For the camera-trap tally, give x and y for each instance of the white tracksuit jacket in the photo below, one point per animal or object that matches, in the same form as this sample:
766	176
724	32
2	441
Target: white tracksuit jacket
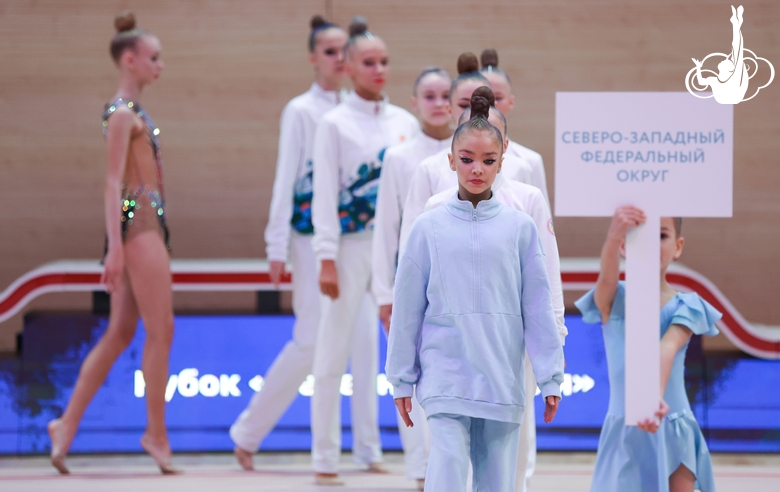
291	202
349	148
397	170
538	176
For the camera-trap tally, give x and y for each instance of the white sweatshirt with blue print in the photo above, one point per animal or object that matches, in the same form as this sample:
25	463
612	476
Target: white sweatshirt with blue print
471	295
349	147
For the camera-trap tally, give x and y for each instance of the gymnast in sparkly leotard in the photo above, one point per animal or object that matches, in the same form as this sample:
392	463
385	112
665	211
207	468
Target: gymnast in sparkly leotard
136	263
143	203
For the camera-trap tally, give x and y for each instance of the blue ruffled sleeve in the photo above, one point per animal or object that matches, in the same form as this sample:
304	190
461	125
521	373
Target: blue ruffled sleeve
590	312
696	314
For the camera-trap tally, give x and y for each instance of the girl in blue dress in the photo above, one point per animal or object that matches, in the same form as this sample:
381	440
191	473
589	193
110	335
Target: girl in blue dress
670	456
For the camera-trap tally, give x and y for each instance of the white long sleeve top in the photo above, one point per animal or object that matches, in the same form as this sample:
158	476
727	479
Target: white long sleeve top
292	191
538	176
434	175
528	199
349	146
397	169
471	297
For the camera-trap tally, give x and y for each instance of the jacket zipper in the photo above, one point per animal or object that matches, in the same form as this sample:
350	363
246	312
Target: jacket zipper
475	259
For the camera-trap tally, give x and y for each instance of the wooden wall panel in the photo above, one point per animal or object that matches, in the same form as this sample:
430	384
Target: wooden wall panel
232	65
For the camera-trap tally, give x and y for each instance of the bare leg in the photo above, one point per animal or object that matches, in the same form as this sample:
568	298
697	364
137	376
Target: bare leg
148	267
121	329
682	480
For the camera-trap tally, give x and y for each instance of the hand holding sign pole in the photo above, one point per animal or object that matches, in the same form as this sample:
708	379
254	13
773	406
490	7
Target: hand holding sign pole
665	152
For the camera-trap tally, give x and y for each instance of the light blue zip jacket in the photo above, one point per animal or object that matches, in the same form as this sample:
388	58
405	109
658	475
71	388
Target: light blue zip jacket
471	295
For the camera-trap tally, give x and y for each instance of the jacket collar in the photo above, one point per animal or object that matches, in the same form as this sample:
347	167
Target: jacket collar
334	97
432	145
498	183
463	209
373	108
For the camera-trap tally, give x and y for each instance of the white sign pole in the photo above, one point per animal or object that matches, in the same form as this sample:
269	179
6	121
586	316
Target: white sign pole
643	319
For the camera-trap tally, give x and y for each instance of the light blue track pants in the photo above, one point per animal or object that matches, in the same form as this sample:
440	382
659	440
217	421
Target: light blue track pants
489	444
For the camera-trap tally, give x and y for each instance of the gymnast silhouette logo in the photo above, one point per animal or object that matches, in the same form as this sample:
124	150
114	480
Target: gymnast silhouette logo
735	70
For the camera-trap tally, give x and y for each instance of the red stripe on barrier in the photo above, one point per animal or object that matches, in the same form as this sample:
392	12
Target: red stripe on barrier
45	280
34	284
227	278
583	277
728	319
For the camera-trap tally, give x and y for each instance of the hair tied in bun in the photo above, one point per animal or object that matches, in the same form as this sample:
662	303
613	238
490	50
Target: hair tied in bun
480	107
124	22
467	63
485	92
127	35
358	26
316	22
482	100
489	59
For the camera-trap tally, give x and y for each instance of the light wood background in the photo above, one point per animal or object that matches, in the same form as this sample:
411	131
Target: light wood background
232	65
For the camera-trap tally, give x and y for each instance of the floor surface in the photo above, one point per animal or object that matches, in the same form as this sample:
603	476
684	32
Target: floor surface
559	472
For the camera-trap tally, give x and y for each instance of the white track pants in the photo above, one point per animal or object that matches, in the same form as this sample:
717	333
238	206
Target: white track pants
294	362
457	440
349	323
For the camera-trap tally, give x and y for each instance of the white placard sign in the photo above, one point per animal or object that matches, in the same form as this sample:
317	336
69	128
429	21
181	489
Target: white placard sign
668	153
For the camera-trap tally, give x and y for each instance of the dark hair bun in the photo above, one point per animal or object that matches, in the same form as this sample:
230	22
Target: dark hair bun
317	21
124	21
485	92
357	26
480	107
489	58
467	62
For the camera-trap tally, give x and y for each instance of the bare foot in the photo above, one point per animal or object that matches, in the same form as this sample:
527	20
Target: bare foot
420	484
328	479
161	453
377	468
58	433
244	458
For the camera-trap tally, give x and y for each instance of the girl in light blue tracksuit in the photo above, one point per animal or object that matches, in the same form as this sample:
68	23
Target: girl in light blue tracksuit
471	295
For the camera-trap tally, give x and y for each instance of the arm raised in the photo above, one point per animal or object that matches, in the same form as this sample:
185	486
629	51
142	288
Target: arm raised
625	218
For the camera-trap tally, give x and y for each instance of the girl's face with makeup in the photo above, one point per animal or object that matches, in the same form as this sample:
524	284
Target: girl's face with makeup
432	100
476	158
368	66
328	56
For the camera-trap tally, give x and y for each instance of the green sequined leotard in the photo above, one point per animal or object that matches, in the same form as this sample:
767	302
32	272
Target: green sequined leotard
143	201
